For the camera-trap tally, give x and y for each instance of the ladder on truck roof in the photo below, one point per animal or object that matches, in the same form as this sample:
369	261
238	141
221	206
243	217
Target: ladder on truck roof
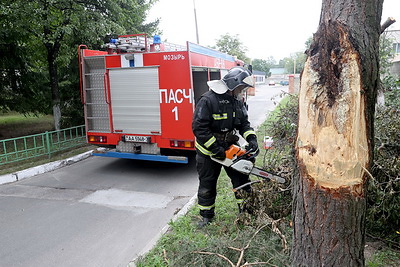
141	43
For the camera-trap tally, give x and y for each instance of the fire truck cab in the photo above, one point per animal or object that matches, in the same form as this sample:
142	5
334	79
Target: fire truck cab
139	95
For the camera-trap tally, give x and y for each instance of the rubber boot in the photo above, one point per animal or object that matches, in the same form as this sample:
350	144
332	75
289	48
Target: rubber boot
204	222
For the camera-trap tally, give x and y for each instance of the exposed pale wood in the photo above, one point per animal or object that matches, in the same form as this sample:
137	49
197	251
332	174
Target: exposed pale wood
333	141
335	135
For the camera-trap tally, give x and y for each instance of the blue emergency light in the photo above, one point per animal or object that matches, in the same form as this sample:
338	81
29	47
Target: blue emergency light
156	39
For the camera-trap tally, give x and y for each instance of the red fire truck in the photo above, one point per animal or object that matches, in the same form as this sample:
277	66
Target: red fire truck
139	95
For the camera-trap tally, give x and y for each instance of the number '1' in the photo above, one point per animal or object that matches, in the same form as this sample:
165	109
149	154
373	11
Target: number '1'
175	110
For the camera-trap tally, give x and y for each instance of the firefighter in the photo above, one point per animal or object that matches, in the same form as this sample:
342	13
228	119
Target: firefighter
219	114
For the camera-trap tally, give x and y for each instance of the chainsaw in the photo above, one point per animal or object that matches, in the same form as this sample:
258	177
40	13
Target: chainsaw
241	160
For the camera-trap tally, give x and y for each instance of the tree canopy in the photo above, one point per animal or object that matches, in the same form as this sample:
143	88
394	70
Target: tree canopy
232	45
39	38
263	65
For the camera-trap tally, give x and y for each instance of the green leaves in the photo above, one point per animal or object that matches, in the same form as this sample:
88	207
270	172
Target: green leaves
39	40
263	65
232	46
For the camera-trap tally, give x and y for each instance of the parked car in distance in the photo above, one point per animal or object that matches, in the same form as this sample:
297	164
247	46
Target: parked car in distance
284	82
271	83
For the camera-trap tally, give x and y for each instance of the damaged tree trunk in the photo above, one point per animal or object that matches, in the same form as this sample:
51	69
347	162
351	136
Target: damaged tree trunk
334	143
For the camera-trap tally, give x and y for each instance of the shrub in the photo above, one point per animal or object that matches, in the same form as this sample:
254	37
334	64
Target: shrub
392	98
383	198
383	191
272	200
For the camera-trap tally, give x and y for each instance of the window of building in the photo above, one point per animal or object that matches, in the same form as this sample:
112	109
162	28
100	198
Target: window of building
396	48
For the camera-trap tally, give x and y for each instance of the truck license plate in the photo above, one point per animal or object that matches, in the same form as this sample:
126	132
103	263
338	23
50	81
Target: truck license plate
138	139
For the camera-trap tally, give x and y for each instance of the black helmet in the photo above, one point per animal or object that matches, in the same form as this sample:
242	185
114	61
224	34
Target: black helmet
238	76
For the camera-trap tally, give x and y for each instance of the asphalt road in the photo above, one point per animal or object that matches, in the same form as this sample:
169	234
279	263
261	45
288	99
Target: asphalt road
263	102
99	211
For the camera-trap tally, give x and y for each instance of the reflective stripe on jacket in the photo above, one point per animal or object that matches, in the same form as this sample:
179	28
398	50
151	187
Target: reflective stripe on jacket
216	115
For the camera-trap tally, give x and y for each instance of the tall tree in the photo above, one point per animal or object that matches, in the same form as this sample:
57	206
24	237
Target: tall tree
21	74
335	137
263	65
232	46
54	26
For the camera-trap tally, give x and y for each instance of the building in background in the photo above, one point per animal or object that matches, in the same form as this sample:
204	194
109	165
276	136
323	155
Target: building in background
394	35
278	74
259	77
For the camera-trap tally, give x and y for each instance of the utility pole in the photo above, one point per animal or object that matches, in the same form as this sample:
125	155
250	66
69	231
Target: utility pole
195	21
294	65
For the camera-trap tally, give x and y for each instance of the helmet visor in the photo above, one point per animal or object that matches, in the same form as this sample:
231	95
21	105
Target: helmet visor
249	81
218	86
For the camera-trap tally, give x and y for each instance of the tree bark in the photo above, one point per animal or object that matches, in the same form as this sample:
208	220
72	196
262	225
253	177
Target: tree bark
53	36
52	52
334	143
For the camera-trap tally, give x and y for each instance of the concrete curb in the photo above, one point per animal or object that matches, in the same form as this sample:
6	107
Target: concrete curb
20	175
149	246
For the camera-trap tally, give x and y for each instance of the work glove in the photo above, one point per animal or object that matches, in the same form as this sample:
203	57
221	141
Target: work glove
252	146
218	153
232	138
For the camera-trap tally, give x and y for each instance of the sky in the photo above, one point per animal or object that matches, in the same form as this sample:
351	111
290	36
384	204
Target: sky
267	28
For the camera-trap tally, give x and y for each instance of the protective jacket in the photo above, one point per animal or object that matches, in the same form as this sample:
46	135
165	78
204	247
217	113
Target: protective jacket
215	117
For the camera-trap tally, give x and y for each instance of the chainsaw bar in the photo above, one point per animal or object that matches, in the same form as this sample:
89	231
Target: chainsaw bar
266	175
247	167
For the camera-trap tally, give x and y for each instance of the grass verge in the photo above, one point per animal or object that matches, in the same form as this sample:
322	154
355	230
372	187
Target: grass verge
240	239
229	239
232	239
385	257
16	125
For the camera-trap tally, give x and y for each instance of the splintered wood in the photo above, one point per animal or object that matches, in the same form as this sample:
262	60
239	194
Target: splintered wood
332	138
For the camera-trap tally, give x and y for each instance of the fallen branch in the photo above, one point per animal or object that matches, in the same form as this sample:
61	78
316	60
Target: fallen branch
241	250
219	255
244	185
369	174
276	230
236	249
258	263
395	244
248	245
165	256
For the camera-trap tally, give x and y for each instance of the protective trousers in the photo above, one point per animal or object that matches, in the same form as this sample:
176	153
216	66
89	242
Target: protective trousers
208	171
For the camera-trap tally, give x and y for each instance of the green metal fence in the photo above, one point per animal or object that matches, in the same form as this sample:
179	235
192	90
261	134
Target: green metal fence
31	146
